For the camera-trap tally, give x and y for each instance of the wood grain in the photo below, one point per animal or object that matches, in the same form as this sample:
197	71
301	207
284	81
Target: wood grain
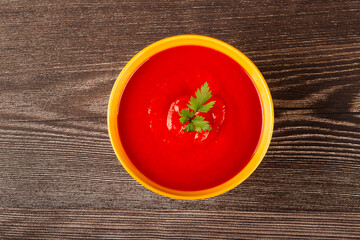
59	177
175	224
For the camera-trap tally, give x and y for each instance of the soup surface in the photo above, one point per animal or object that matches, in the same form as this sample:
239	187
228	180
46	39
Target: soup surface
155	140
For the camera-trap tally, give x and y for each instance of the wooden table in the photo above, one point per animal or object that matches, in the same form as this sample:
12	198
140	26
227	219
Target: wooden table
60	179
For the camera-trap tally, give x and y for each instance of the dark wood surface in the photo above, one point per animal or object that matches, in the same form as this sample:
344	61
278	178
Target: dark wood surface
60	179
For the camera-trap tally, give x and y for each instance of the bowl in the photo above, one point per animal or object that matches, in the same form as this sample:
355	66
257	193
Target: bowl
197	40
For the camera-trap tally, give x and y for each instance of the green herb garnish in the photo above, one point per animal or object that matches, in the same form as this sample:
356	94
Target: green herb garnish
197	123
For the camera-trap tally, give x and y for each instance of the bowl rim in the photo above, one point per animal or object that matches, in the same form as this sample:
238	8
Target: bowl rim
230	51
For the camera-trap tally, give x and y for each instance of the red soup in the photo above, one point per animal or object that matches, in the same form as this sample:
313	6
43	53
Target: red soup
155	140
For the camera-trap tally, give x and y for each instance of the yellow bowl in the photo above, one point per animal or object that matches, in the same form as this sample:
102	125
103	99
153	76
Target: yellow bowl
250	68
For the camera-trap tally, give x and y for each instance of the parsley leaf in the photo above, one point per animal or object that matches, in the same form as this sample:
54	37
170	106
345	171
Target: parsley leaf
190	127
202	95
205	108
197	104
200	124
185	115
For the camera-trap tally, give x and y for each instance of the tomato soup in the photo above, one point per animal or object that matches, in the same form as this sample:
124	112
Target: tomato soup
153	137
